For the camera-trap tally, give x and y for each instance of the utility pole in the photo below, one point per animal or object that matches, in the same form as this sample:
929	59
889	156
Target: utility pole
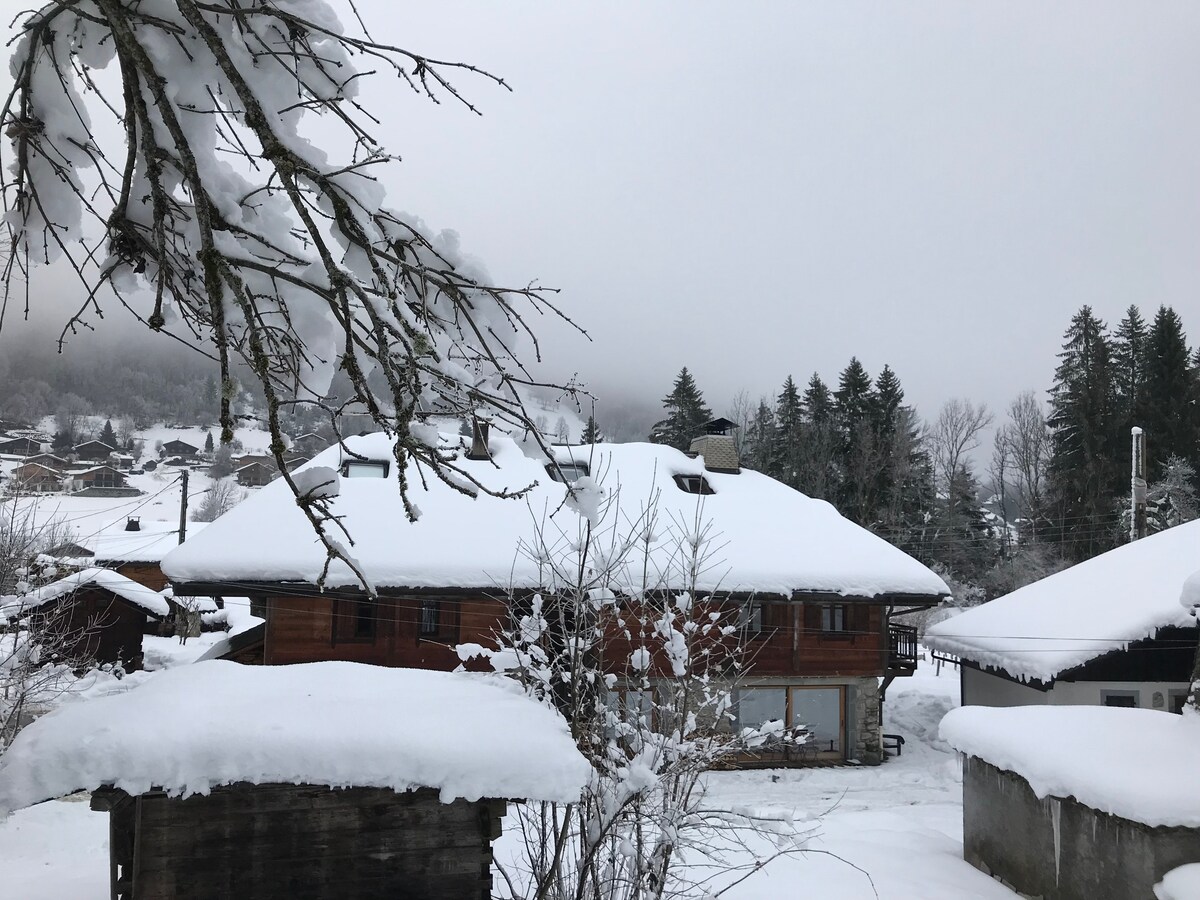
183	507
1137	518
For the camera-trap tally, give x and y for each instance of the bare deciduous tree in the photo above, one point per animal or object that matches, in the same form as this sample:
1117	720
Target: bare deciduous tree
223	496
1028	444
252	240
953	436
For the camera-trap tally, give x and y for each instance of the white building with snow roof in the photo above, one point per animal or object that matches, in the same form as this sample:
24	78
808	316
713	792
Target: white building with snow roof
1108	631
817	592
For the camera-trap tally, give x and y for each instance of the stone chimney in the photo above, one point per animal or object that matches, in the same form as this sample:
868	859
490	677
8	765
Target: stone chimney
718	447
479	440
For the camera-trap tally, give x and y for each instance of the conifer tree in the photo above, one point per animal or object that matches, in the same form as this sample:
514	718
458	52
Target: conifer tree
1129	370
759	441
1171	416
858	452
819	478
108	435
591	432
786	453
686	413
208	442
818	401
1083	469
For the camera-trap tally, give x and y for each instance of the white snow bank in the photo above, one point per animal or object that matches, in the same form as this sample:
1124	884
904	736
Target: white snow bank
1139	764
1092	608
189	729
1189	597
1182	883
137	594
766	537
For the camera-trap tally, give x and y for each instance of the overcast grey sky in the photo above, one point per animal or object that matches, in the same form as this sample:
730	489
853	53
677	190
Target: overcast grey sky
758	189
754	189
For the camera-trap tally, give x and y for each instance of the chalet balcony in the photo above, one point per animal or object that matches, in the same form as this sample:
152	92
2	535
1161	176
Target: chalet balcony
902	649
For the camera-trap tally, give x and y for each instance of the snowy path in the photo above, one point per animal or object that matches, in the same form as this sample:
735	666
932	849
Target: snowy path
900	822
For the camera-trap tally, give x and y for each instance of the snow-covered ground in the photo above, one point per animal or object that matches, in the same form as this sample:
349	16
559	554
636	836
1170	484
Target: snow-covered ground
892	832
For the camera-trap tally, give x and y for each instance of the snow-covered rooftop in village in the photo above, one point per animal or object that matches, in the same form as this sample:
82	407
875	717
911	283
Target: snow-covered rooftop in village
1092	608
764	536
139	595
1139	764
196	727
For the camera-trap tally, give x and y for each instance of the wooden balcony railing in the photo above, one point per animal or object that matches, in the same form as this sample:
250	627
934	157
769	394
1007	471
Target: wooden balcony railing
902	648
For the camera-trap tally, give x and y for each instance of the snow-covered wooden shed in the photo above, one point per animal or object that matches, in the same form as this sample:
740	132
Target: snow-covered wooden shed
1108	631
310	782
91	616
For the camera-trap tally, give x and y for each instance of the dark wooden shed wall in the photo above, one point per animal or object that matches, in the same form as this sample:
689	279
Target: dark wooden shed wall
96	624
300	842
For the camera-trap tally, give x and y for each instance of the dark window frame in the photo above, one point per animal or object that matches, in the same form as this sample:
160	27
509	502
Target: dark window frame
556	471
355	621
383	465
437	620
1135	696
693	484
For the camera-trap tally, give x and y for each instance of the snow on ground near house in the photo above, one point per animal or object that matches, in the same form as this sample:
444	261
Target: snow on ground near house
194	727
901	823
1139	764
765	536
139	595
1094	607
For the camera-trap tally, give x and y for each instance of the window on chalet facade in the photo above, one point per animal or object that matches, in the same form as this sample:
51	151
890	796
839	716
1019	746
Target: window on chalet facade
693	484
841	620
437	620
354	620
765	618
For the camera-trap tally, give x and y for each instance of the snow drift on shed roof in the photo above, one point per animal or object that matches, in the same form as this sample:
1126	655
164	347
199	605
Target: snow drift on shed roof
1090	609
1139	764
341	724
137	594
766	537
153	541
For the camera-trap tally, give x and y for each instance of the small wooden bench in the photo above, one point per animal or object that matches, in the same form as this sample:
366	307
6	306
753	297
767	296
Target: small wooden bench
893	743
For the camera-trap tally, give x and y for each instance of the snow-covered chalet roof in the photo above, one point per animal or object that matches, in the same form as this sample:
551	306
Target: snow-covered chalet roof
113	544
1075	615
151	601
1139	764
189	729
765	537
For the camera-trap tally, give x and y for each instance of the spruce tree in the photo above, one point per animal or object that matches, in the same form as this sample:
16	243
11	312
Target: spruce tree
1171	416
208	442
819	477
1083	466
591	432
818	401
788	446
107	435
858	453
686	414
1129	370
759	440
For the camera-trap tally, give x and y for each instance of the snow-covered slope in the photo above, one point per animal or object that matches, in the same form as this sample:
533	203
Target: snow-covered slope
762	535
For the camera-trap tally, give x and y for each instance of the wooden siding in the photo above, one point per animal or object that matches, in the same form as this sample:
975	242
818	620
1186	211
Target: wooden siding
300	842
96	624
147	574
791	642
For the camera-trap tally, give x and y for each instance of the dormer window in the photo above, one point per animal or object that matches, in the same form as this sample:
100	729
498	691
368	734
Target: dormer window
365	468
568	472
693	484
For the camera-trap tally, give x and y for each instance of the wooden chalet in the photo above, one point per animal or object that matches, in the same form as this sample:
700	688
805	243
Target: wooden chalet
96	477
36	478
95	616
814	594
19	446
384	785
177	447
93	450
309	444
134	549
50	461
255	474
